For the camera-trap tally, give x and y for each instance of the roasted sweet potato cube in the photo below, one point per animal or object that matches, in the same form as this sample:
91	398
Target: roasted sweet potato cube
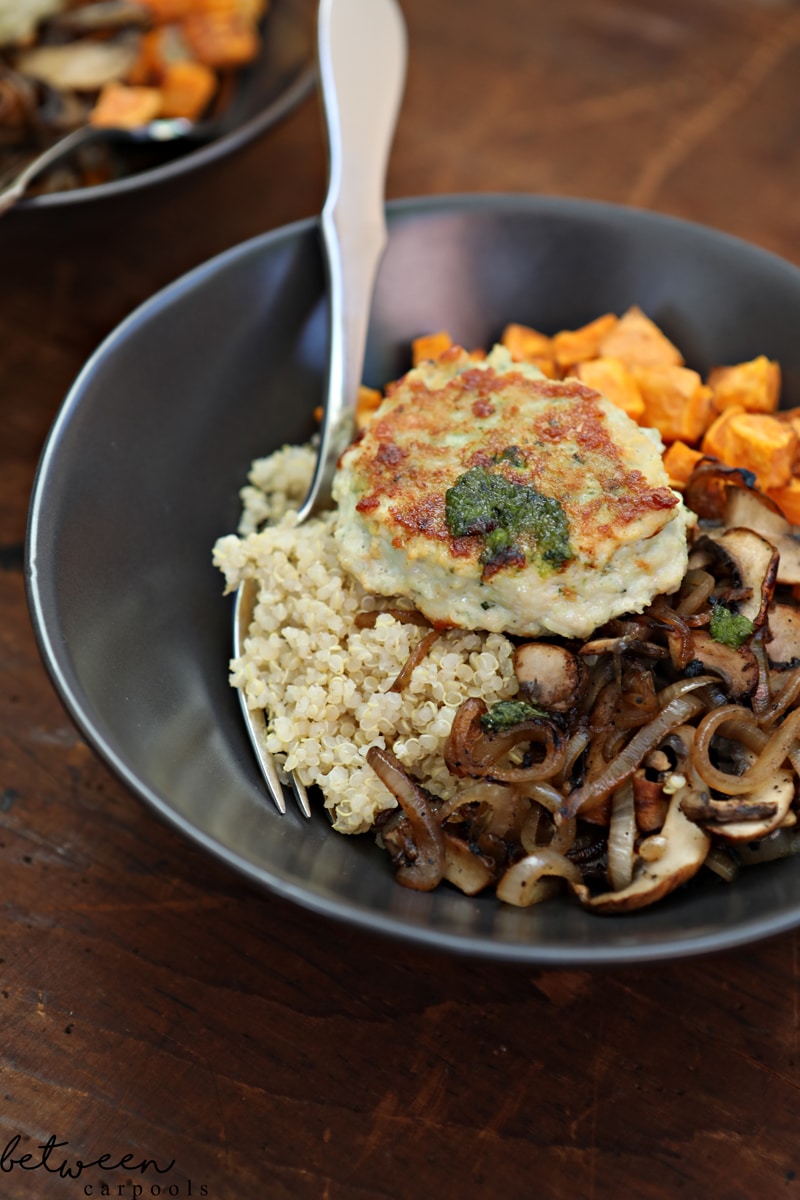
792	415
525	344
680	460
676	402
251	9
368	401
769	448
716	439
170	10
122	107
186	89
757	442
611	377
754	385
787	499
429	346
221	40
158	49
149	63
639	342
572	346
548	366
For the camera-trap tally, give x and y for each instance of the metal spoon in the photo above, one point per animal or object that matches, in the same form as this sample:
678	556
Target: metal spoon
362	65
166	129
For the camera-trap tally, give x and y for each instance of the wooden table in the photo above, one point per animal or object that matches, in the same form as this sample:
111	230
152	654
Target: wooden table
152	1004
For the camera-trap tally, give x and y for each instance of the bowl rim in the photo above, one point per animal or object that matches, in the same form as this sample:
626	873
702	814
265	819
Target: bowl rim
478	946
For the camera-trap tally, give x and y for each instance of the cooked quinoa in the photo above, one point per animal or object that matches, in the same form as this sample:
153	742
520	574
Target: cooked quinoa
323	681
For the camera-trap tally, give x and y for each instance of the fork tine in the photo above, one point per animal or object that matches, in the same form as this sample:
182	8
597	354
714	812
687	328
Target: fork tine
256	719
257	728
300	795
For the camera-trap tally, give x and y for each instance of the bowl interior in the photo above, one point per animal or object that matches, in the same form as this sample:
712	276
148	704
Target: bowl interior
266	91
141	474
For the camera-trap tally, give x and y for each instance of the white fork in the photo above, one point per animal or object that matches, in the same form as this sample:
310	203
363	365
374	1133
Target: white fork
362	67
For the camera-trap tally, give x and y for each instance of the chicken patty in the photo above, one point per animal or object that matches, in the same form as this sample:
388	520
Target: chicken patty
497	499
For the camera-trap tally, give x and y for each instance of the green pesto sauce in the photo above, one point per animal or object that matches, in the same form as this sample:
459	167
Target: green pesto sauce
514	520
730	628
505	714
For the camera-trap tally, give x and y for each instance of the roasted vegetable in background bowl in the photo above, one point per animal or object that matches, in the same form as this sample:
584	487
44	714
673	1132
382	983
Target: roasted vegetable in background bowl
117	63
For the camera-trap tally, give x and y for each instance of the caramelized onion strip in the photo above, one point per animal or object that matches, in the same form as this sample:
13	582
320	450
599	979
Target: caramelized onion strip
668	616
493	794
575	747
470	751
703	585
522	884
367	618
785	699
426	872
621	837
562	833
548	796
416	656
774	753
677	711
682	686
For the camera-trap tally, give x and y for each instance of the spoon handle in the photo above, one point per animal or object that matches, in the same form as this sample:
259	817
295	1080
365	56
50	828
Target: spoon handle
362	65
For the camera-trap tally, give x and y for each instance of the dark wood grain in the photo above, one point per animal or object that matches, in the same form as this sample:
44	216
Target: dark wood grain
151	1004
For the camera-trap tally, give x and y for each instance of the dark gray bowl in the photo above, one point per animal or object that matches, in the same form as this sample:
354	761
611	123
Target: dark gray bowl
141	474
266	91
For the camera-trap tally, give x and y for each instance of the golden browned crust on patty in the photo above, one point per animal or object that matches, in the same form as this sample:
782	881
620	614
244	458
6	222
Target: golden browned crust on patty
494	498
425	438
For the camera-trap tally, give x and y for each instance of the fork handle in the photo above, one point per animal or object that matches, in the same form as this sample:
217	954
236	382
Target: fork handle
362	66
